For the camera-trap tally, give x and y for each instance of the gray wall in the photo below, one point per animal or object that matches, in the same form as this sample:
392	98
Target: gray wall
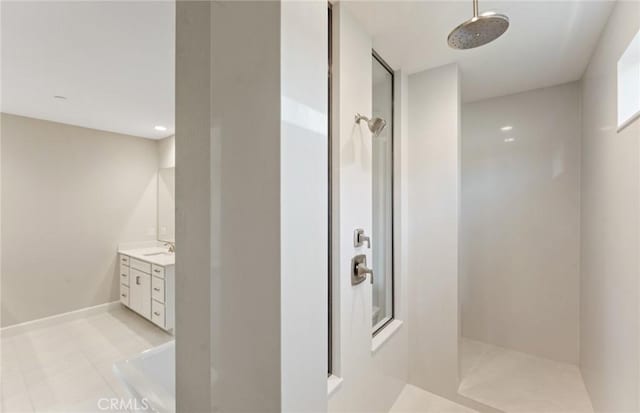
609	298
244	190
520	275
70	195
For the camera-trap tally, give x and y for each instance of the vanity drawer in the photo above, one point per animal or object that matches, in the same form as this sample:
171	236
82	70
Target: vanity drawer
157	271
157	289
140	265
124	274
157	313
124	260
124	295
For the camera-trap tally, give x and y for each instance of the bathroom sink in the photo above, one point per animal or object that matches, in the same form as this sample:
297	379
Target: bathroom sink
155	254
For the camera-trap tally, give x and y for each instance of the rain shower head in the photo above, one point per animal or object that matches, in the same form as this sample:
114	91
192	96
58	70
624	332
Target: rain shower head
478	30
376	125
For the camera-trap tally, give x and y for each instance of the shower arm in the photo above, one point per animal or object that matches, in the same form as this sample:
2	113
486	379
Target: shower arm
475	8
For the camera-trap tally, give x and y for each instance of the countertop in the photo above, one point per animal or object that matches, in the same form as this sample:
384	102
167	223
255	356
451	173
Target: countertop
147	254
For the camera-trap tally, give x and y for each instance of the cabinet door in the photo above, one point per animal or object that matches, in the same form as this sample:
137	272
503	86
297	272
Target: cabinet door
157	293
157	316
124	294
140	292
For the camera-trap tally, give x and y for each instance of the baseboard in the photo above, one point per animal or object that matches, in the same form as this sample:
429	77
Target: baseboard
57	319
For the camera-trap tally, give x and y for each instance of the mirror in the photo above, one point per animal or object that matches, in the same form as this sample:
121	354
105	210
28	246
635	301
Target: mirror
166	204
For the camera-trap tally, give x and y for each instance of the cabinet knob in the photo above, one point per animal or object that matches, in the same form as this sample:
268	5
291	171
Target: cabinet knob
156	289
156	313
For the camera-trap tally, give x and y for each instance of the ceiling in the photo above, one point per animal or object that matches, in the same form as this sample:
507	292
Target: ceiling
113	61
547	43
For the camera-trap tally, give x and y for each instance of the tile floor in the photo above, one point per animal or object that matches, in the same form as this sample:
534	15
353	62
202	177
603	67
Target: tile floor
517	382
68	367
415	400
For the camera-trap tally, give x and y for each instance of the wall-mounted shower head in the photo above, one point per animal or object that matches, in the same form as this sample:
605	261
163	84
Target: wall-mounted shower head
478	30
376	125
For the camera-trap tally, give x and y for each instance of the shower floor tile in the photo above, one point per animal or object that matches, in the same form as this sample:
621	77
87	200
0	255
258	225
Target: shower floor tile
518	382
415	400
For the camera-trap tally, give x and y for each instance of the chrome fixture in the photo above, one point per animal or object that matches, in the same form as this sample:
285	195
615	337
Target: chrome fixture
359	269
478	30
359	238
171	246
376	125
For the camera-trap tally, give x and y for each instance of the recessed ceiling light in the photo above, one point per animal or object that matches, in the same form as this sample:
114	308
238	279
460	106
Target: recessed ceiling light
509	140
506	128
60	97
160	128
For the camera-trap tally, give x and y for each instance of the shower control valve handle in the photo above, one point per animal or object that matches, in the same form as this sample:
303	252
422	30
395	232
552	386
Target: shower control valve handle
359	269
359	238
363	270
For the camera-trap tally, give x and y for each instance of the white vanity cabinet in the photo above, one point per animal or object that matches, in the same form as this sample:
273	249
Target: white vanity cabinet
140	292
148	289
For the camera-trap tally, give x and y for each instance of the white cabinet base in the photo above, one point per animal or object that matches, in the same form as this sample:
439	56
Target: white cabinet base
148	289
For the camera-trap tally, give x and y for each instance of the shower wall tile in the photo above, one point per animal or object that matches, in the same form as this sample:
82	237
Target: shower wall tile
520	280
610	201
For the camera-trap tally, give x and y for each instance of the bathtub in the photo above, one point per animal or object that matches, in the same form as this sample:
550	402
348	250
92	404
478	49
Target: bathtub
150	379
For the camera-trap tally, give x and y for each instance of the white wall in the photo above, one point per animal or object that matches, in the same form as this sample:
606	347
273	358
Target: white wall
70	195
167	152
304	199
433	203
610	291
371	379
521	221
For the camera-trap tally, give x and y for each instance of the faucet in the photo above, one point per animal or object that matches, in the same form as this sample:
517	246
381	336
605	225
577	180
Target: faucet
171	245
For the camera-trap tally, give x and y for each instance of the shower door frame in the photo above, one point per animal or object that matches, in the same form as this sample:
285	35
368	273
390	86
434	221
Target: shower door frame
377	329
